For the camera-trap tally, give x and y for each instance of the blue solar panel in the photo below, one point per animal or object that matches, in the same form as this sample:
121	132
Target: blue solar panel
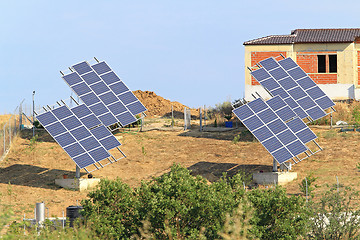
81	111
117	108
99	109
90	99
71	123
315	92
300	112
278	73
267	116
306	135
65	139
90	143
72	78
260	74
306	103
80	133
296	125
296	147
99	88
282	155
108	119
126	118
136	107
288	83
110	78
291	102
262	134
101	132
297	93
270	84
325	102
243	112
127	98
62	112
279	92
286	137
272	144
297	73
276	103
81	89
110	143
277	126
55	129
101	68
91	78
257	105
82	68
99	154
83	160
46	118
119	88
316	113
252	123
74	150
90	121
306	83
269	63
287	64
109	98
286	113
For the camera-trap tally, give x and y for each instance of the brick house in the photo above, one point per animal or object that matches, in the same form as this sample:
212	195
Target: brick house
330	56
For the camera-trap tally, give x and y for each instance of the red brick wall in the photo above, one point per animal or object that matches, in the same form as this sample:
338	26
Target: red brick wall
259	56
308	62
357	40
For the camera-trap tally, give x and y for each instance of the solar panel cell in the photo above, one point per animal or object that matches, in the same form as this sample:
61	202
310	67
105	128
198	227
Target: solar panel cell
109	98
277	126
262	133
278	73
276	103
90	99
117	108
46	118
297	147
101	68
127	98
287	64
252	123
288	83
101	132
99	88
65	139
260	74
82	68
72	79
90	143
269	63
300	112
110	78
306	83
90	121
119	88
270	84
325	102
83	160
285	113
71	123
136	107
282	155
110	143
297	93
272	144
306	135
74	150
315	92
297	73
296	125
286	137
55	129
81	111
81	89
99	154
62	112
243	112
91	78
108	119
267	116
306	103
316	113
80	133
98	109
279	92
126	118
291	102
257	105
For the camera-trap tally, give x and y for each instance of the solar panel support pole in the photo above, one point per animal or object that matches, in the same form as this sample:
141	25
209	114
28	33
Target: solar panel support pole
275	168
77	172
33	117
200	119
331	120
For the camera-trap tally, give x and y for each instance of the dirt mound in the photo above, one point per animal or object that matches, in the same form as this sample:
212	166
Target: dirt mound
159	106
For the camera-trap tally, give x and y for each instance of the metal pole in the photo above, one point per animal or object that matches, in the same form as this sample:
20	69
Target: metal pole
275	169
331	120
200	120
77	173
185	118
337	180
33	99
40	213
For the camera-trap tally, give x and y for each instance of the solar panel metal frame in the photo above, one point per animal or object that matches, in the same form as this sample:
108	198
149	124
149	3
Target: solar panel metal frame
273	136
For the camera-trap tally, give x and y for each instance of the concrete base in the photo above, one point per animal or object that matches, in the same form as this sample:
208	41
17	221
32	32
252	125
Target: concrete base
77	184
274	177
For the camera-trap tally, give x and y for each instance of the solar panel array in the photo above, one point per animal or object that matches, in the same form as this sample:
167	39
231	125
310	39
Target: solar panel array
71	130
287	80
266	121
104	93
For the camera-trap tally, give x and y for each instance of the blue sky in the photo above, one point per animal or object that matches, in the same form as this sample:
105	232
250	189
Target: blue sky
188	51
